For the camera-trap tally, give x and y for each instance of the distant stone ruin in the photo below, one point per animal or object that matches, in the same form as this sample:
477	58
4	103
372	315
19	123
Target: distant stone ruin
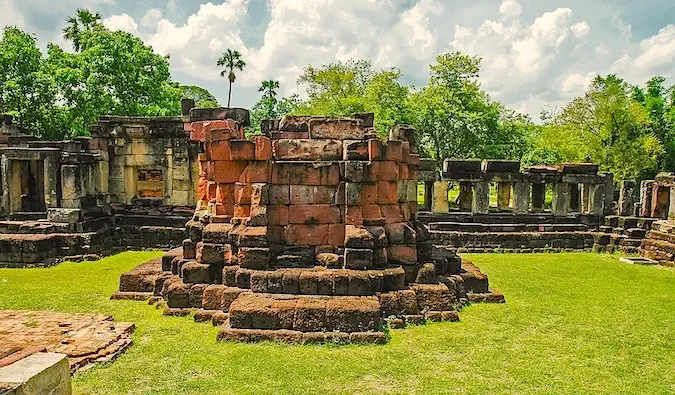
307	233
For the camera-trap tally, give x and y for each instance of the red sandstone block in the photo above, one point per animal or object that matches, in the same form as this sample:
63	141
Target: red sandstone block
226	172
376	150
256	172
336	235
394	151
312	194
242	150
197	134
225	194
202	190
312	235
338	129
242	211
371	211
414	159
263	148
371	172
355	150
392	213
387	171
219	150
307	150
306	173
314	214
369	194
405	151
242	193
387	192
211	191
354	215
402	254
277	215
403	173
279	194
253	236
289	135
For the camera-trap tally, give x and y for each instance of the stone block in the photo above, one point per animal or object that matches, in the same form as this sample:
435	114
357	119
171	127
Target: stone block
338	129
41	373
358	259
311	235
307	150
314	214
257	258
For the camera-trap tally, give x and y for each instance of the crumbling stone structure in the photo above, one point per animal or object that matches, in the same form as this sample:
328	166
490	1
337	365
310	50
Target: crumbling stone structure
519	221
130	185
657	204
308	233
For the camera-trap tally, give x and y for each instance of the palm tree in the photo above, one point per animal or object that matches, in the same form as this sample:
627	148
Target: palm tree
83	22
269	88
231	60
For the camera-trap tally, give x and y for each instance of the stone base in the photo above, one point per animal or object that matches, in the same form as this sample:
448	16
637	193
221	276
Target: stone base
297	337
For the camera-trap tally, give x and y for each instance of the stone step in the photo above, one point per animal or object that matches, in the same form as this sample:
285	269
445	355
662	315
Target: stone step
514	240
517	227
172	221
500	218
28	216
34	227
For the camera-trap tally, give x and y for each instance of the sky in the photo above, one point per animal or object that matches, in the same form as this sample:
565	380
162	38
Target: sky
537	54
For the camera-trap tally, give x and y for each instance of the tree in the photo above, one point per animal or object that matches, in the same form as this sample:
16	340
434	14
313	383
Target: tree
607	126
456	119
202	97
26	91
79	26
269	87
231	61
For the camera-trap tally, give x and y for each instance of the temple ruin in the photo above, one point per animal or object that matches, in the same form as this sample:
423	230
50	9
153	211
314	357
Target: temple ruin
307	233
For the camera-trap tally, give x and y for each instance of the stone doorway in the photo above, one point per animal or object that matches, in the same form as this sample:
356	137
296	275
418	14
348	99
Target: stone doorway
27	191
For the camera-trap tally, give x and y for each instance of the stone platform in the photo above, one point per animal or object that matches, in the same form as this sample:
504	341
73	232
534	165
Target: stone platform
84	338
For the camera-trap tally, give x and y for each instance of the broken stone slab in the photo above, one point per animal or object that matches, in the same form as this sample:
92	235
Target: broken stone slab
239	115
42	373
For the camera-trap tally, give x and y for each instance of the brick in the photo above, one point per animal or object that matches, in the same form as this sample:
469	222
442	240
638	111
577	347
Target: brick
242	211
279	194
260	194
387	192
227	171
256	172
358	259
338	129
306	173
369	194
314	214
242	193
310	315
387	171
312	235
400	233
354	171
225	195
354	215
336	235
307	150
294	123
308	282
219	150
403	172
371	211
355	150
253	236
263	148
358	237
392	213
402	254
210	253
257	216
254	257
371	172
394	151
359	284
414	159
277	215
196	273
376	150
405	151
242	150
313	194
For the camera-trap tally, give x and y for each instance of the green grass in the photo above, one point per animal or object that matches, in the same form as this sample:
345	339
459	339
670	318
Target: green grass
573	323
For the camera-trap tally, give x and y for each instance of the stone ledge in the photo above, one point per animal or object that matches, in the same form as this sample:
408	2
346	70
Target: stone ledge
42	373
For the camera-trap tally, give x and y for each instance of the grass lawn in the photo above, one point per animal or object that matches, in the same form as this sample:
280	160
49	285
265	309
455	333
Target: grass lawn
573	323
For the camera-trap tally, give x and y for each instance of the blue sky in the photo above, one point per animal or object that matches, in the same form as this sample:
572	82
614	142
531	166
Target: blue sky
536	54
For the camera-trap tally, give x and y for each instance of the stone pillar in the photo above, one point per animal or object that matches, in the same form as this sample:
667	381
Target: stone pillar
646	189
51	175
481	198
465	195
627	197
538	197
428	194
671	206
440	198
609	194
503	195
561	199
585	198
596	198
575	198
70	186
5	174
521	197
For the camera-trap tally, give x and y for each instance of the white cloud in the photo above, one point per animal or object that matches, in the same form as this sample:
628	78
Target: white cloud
658	49
577	83
122	22
581	29
510	8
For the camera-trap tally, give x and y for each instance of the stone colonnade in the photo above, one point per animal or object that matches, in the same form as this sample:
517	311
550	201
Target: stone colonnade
576	188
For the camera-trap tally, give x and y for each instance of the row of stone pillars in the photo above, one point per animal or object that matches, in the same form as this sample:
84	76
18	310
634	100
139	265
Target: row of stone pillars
528	197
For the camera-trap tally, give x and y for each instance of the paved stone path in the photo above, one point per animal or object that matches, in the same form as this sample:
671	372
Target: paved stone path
85	338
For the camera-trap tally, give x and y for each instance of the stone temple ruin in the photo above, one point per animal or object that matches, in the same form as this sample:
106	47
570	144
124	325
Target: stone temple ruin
129	185
308	233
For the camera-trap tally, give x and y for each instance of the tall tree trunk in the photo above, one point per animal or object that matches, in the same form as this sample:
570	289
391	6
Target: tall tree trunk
229	95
